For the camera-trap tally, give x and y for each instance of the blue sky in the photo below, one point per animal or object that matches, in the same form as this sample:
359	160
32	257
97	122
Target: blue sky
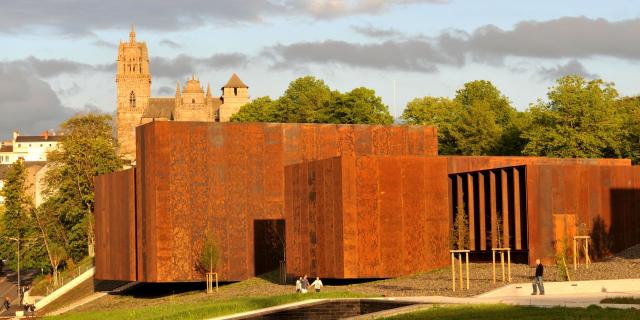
57	56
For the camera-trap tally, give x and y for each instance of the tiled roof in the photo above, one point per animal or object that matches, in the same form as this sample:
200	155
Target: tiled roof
160	108
6	148
38	138
235	82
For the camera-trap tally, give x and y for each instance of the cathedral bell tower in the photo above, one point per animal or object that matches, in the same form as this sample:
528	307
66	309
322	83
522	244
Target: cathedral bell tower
134	89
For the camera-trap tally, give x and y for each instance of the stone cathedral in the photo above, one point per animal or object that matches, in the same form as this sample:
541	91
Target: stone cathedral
136	106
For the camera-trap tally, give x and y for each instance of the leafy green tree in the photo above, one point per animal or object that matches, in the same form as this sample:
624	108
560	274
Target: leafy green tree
15	220
16	224
478	121
310	100
579	120
359	106
87	149
486	120
433	111
304	101
53	237
628	115
262	109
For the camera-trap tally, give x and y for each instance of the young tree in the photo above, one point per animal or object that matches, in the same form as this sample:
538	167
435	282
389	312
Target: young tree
87	149
53	237
209	255
460	232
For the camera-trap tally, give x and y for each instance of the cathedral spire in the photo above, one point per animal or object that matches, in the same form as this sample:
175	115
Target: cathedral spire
132	34
177	88
209	90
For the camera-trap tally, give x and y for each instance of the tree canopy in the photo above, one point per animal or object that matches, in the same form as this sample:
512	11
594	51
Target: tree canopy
579	120
17	232
87	149
310	100
478	121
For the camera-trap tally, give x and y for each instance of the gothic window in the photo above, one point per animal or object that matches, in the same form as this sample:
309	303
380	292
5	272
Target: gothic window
235	91
132	100
193	100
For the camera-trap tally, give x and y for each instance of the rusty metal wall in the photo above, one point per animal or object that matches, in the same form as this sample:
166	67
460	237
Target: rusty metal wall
558	192
593	194
460	164
115	235
367	216
193	177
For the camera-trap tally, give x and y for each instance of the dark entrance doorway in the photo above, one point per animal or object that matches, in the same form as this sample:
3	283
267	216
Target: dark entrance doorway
268	244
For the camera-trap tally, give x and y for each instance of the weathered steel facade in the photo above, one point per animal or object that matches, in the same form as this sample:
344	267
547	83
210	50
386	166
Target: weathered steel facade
354	201
367	216
115	226
547	201
193	178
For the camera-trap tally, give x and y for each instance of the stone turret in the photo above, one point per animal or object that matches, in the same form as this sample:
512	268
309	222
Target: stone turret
234	95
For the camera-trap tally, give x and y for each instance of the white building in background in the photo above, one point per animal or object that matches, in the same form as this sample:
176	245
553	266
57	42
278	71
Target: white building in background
28	148
33	150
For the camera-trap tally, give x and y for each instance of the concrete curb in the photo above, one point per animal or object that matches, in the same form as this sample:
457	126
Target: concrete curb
620	286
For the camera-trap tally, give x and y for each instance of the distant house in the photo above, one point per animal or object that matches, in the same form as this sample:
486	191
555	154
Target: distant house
28	148
33	151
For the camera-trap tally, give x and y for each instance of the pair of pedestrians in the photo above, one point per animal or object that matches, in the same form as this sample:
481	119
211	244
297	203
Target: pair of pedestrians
302	284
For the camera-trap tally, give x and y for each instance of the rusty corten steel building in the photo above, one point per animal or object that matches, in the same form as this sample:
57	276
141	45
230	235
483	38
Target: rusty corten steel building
227	178
339	201
542	201
367	216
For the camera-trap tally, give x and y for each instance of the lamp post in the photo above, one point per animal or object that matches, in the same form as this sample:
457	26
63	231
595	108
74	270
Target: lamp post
18	241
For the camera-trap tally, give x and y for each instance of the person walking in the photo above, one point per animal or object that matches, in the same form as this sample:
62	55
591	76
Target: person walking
7	303
304	284
537	280
299	285
317	284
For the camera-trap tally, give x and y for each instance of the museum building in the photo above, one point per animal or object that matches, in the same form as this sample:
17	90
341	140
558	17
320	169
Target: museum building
341	202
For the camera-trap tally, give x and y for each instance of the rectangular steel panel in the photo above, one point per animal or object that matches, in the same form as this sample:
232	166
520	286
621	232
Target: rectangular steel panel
504	181
482	211
516	209
471	212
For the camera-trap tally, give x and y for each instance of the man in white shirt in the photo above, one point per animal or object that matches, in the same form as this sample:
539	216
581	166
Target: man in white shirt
317	284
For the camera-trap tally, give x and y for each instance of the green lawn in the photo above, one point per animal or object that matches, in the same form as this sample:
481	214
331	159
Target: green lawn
622	300
201	310
499	311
